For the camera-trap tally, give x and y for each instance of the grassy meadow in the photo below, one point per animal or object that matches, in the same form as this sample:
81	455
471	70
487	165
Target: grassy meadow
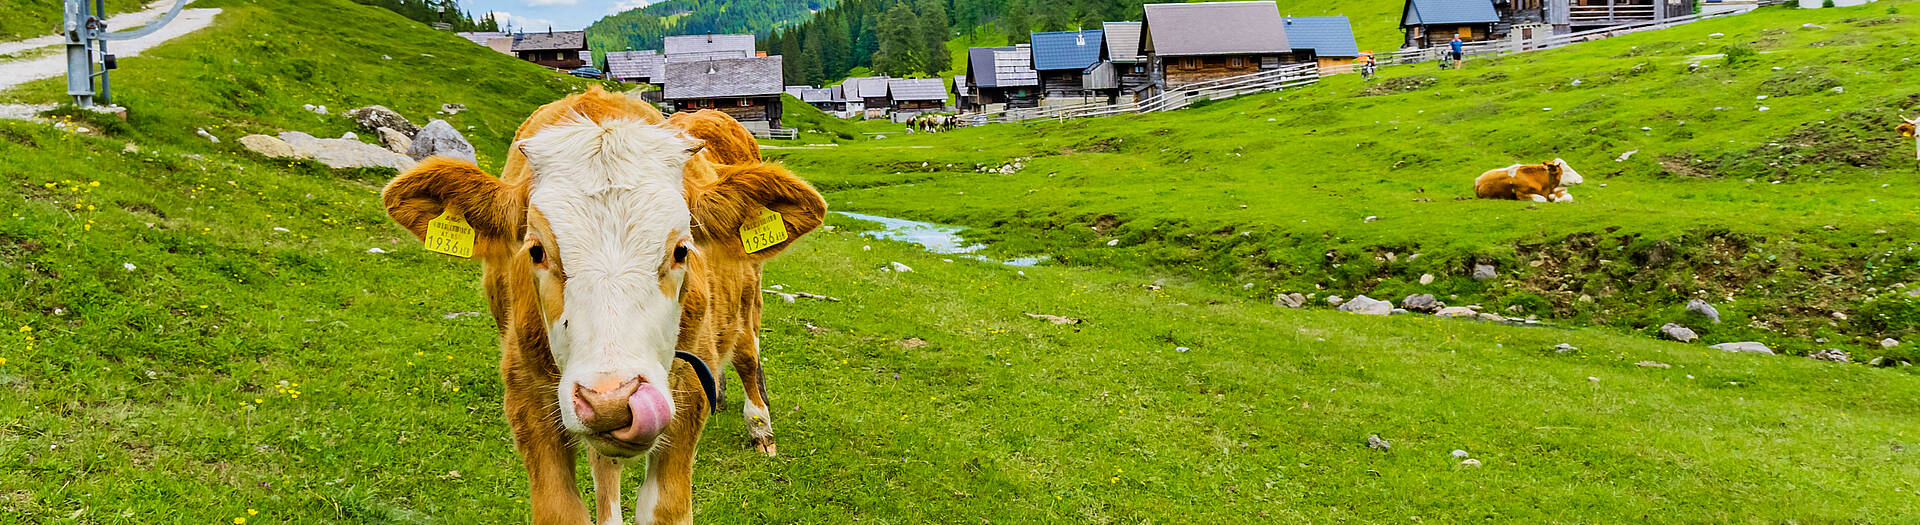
170	355
1770	184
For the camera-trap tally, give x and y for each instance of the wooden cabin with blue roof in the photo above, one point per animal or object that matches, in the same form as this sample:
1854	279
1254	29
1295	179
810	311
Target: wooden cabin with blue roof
1325	39
1063	59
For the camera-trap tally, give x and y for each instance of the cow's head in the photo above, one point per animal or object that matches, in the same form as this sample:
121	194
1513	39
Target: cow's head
1565	173
598	243
1906	128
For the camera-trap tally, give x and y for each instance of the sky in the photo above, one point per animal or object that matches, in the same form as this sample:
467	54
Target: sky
536	15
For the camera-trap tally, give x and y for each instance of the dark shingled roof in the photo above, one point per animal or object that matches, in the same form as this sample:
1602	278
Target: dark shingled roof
1216	28
1074	50
1123	41
554	41
1425	12
980	65
1327	36
634	64
736	77
687	48
917	89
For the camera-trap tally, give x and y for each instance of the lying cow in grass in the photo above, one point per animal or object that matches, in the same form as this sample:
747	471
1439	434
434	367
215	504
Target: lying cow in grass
612	216
1543	182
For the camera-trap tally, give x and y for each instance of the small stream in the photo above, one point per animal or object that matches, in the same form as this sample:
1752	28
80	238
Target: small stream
936	238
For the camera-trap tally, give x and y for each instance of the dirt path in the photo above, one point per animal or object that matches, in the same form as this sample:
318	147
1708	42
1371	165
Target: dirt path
26	70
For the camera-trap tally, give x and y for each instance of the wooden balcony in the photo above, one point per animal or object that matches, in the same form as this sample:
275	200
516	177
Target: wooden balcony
1606	15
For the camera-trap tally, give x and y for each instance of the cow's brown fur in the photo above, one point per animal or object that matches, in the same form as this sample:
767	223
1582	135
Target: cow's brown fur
720	303
1906	129
1519	182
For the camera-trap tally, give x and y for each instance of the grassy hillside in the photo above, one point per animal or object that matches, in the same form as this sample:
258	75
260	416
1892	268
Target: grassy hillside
1771	185
171	357
21	19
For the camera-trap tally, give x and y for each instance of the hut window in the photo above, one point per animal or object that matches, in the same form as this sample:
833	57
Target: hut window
746	102
1189	63
1239	62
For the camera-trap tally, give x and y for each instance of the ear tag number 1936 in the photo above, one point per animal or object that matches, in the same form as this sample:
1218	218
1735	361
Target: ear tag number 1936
450	234
764	231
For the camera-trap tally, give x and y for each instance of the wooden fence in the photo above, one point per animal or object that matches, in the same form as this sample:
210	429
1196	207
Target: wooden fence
1184	96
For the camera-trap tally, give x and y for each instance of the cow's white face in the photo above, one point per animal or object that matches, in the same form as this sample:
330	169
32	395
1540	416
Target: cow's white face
608	239
1568	177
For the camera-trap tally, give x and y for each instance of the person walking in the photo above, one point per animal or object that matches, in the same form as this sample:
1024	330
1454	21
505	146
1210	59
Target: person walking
1457	55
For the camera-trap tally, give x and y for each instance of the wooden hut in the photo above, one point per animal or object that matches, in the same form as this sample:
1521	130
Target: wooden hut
1191	43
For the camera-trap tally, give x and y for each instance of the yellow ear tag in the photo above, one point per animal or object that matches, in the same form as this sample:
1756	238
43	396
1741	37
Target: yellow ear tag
764	231
450	234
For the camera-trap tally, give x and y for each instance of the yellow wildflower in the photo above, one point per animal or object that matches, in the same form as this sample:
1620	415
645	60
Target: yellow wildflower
250	512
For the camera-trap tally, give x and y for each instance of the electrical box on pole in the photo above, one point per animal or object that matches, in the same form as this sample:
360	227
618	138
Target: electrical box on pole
86	35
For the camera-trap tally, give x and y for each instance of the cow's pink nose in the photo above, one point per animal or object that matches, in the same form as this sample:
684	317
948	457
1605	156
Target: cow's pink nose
633	411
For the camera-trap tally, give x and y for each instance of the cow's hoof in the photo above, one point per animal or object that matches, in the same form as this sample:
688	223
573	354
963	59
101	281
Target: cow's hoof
765	445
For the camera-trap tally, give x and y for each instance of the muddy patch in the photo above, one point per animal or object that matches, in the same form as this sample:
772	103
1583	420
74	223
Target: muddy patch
1397	85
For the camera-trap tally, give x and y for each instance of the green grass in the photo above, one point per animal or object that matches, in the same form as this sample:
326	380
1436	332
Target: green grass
30	18
154	394
1780	217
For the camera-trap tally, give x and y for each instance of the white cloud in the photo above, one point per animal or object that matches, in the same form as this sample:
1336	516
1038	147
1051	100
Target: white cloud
628	5
520	23
538	3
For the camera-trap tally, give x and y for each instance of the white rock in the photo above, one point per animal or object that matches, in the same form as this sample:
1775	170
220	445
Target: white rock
1460	454
202	132
1426	278
1701	307
901	267
1367	306
1889	343
129	266
1746	347
439	138
1678	333
1115	242
279	229
1456	311
1370	218
1470	463
375	250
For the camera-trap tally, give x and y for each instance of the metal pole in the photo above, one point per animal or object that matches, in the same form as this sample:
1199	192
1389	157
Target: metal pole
79	59
106	90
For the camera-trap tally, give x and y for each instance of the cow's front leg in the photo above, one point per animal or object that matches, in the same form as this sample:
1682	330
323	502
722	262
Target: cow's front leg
759	418
606	488
549	460
666	494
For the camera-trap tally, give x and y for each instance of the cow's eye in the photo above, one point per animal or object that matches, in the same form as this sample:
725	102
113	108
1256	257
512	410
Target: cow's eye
537	254
680	254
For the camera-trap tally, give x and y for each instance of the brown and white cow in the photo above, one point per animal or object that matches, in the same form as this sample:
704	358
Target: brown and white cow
610	242
1543	182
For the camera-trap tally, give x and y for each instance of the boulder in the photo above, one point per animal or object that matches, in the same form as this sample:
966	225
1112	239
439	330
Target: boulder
1456	311
1746	347
1482	272
396	141
1426	278
340	153
202	132
1493	317
1701	307
1423	303
376	117
1678	333
1889	343
349	136
439	138
1831	354
1290	300
1367	306
1335	300
269	147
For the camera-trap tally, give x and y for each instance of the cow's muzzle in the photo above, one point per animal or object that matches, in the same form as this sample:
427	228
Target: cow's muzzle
631	413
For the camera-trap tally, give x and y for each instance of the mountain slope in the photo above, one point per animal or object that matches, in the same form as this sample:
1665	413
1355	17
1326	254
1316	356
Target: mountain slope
643	28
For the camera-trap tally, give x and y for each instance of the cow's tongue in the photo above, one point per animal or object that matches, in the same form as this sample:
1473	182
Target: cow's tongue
651	412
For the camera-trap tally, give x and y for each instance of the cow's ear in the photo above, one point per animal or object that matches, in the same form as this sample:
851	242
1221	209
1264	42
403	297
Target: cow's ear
422	193
741	191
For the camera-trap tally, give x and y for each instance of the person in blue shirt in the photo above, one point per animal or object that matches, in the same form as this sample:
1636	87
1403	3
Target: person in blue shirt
1456	55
